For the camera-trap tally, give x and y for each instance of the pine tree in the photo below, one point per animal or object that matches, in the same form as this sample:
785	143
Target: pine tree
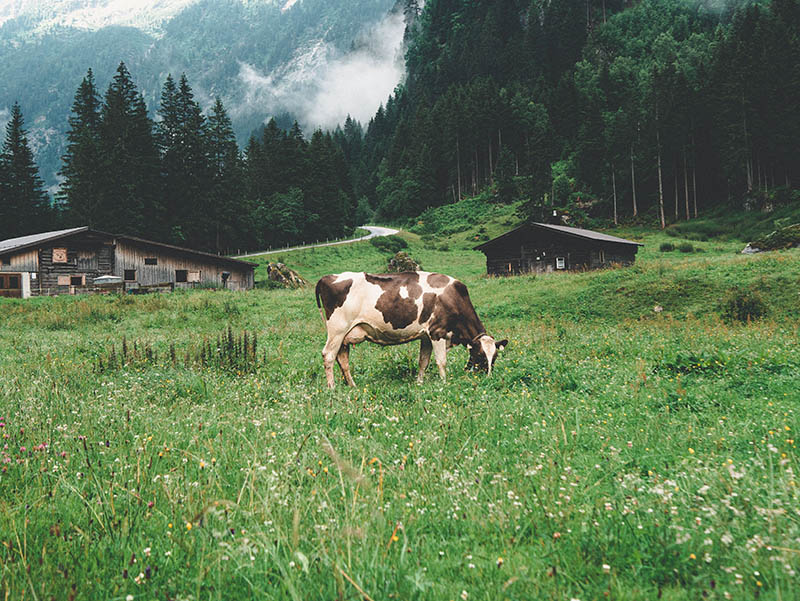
82	161
24	205
129	195
229	213
182	137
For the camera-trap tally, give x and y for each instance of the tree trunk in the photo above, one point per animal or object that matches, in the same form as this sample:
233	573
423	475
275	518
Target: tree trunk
660	178
458	162
633	185
475	172
749	162
694	178
491	163
675	185
614	186
685	184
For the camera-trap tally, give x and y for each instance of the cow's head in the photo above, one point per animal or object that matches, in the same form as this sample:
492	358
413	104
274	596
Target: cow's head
483	352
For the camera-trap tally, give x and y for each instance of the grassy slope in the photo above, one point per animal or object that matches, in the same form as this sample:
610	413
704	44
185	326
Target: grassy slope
658	445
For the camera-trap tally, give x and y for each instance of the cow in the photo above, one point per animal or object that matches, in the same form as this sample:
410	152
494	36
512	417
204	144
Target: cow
397	308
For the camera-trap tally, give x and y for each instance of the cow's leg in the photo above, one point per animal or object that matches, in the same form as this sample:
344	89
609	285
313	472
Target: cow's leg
329	354
425	349
440	353
343	357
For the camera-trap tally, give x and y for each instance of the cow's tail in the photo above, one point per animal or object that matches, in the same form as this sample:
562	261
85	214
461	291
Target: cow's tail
319	303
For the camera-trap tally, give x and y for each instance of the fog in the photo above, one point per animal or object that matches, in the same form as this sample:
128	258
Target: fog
322	85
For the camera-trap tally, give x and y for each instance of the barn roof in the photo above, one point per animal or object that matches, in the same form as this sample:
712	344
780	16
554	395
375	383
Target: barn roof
34	240
23	242
575	232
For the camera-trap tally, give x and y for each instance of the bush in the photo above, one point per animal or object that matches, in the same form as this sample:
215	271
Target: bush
666	247
686	247
743	305
389	244
403	262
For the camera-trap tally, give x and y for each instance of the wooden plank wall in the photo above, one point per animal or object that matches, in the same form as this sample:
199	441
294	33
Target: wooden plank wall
131	256
537	254
24	261
84	258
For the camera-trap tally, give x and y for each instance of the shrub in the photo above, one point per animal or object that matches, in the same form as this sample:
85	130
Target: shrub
390	244
686	247
743	305
403	262
666	247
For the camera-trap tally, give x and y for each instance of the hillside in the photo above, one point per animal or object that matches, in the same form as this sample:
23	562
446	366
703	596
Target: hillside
135	429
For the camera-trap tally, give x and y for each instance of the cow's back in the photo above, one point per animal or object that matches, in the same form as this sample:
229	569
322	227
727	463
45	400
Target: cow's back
386	302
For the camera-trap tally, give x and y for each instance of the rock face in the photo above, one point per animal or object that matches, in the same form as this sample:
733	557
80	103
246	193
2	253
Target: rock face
785	237
402	261
278	272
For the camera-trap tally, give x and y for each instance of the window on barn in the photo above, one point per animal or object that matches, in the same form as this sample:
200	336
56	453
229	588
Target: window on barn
5	260
76	280
561	263
130	275
181	275
2	282
151	261
193	276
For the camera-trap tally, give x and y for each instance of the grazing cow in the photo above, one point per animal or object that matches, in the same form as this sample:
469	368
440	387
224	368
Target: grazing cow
398	308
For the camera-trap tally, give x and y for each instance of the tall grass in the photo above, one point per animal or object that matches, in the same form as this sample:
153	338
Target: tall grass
616	452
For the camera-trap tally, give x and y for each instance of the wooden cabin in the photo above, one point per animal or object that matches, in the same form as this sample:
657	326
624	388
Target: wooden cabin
541	248
69	261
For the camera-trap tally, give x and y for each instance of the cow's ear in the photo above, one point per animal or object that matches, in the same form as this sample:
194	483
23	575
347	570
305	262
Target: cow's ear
501	345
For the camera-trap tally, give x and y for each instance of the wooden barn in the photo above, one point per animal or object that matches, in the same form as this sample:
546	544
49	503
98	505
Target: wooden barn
541	247
69	261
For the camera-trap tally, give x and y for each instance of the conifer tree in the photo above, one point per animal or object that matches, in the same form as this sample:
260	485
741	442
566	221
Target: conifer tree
229	211
182	138
24	205
82	160
129	190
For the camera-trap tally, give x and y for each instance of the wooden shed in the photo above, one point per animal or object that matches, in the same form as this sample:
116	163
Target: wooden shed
541	247
69	261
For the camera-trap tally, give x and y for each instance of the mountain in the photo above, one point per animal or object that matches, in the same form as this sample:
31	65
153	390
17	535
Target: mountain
313	60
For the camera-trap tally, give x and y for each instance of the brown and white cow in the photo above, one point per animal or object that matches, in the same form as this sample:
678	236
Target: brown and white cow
398	308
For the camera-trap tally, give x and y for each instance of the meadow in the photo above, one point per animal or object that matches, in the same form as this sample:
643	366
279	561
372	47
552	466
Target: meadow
617	452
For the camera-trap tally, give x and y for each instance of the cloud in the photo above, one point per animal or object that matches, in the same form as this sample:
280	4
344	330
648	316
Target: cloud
322	85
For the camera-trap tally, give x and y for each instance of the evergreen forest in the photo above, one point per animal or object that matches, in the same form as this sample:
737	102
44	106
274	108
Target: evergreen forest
606	110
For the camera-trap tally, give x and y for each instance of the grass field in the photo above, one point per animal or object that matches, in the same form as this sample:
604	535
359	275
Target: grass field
615	453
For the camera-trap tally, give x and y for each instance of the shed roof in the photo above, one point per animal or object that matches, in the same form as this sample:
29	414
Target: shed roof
13	244
34	240
563	229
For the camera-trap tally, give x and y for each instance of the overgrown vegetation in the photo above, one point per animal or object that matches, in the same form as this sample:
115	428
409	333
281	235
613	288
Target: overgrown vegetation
238	354
389	244
743	305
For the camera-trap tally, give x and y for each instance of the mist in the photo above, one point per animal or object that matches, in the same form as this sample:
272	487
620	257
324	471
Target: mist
322	85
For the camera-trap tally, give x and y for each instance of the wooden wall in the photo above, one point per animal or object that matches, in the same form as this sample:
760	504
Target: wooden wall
90	255
87	258
537	252
25	261
131	256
